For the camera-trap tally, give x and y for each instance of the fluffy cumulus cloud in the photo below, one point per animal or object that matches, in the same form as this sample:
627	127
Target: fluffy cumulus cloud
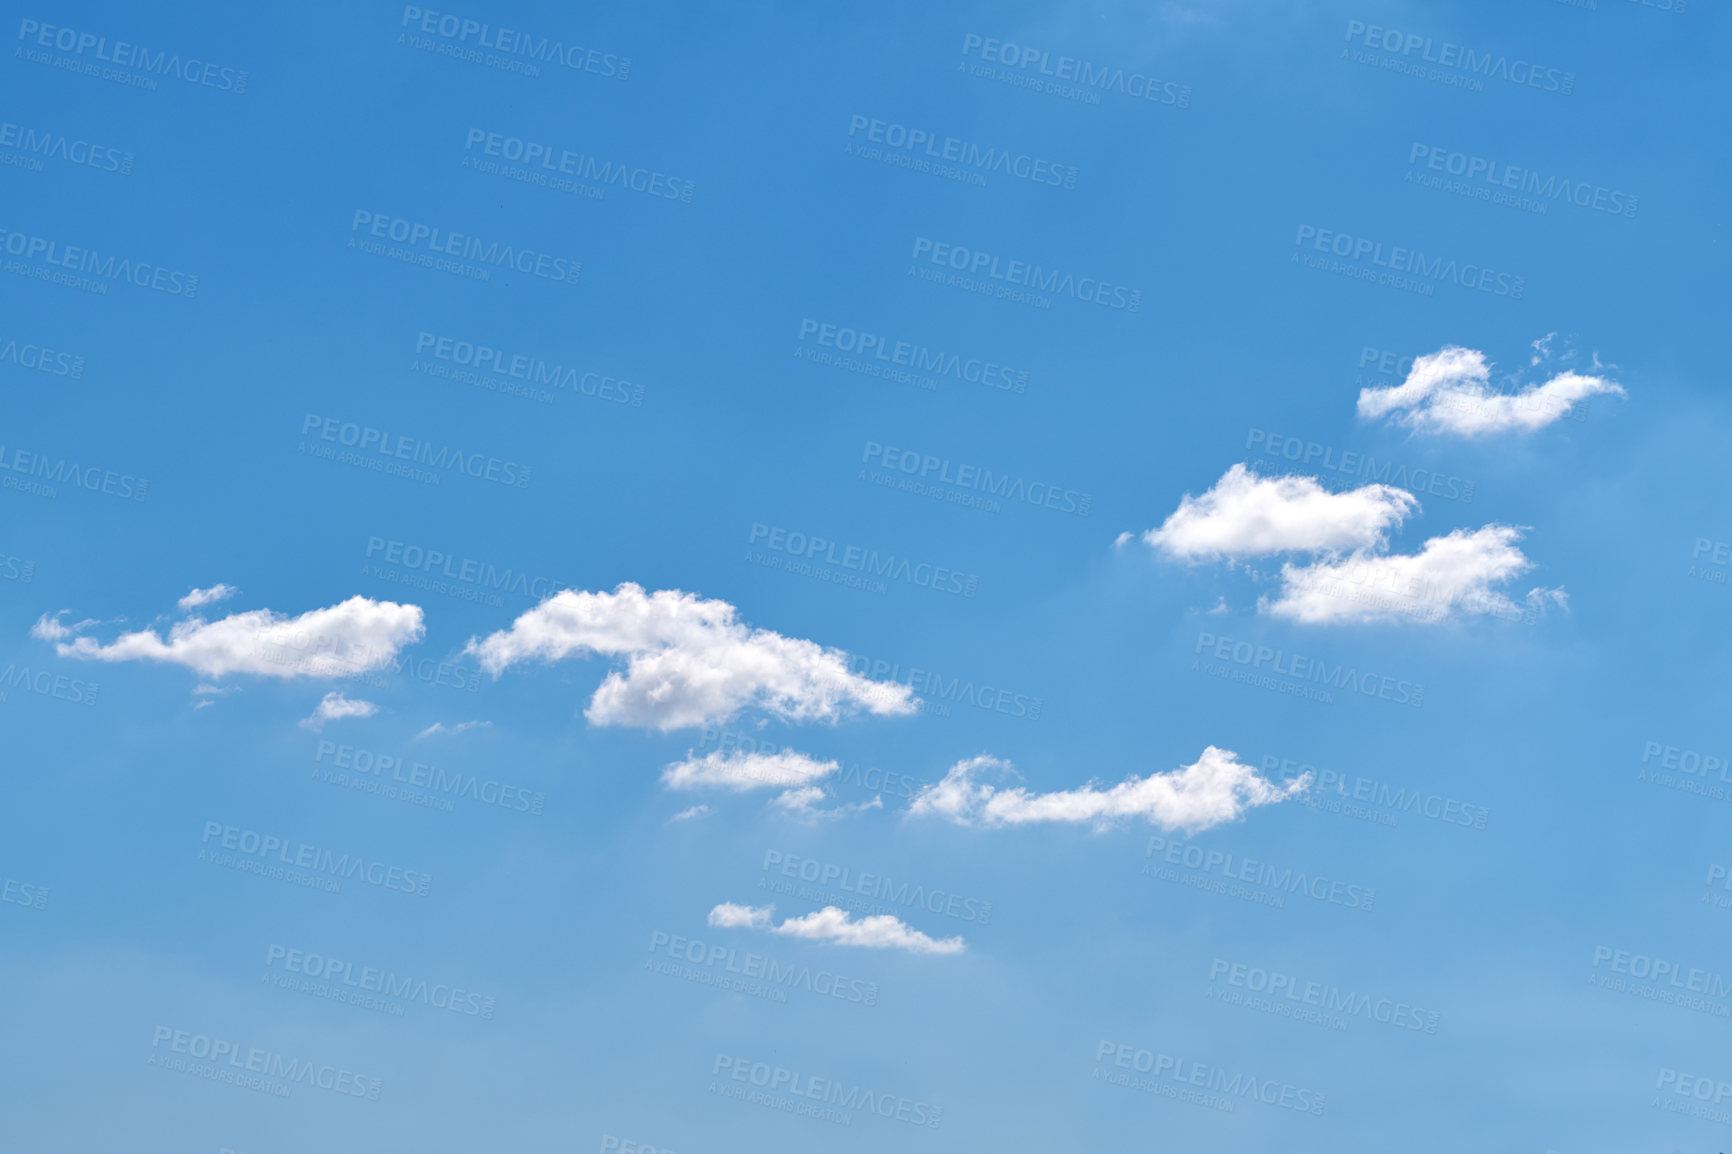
1348	576
351	637
334	707
205	596
1245	515
1449	576
688	661
880	932
1216	789
1450	393
740	771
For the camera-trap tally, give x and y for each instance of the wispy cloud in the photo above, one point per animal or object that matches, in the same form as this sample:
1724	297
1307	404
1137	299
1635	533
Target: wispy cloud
739	770
439	727
205	596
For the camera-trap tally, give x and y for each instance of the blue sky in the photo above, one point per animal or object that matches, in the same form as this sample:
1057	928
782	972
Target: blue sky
704	352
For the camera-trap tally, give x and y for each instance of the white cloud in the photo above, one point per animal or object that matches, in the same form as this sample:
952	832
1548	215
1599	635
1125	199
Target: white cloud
1541	596
1355	580
1448	392
729	916
439	727
880	932
740	771
1449	576
688	661
333	707
789	771
51	629
695	811
1245	515
205	596
345	639
204	694
1216	789
803	803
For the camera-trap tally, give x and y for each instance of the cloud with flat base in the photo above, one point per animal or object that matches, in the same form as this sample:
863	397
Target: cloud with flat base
1450	576
830	924
1245	515
334	707
1448	393
1349	576
352	637
688	661
1215	789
